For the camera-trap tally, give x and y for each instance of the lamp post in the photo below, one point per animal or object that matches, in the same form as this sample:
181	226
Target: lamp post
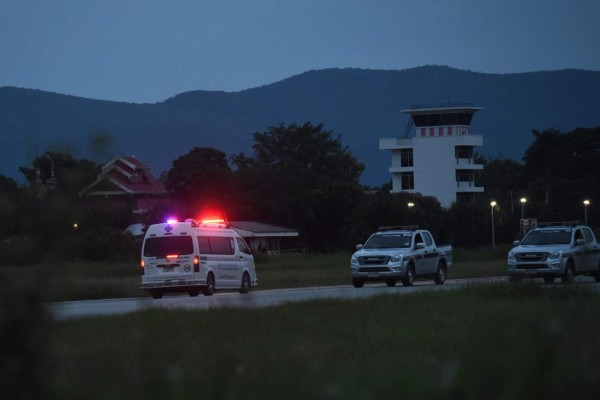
586	203
493	204
523	201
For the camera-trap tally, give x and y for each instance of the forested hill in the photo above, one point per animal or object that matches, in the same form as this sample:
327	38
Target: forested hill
359	105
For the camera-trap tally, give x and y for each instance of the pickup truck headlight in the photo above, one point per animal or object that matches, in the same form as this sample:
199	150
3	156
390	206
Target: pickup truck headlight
555	254
354	260
511	256
396	258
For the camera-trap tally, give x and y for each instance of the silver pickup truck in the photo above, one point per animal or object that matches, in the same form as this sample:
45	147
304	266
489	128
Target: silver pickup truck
555	251
400	253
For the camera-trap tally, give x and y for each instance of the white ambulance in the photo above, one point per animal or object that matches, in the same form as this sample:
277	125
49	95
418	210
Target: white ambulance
195	256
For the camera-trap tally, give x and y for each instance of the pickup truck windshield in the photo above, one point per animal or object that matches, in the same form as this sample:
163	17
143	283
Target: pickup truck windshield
389	241
554	236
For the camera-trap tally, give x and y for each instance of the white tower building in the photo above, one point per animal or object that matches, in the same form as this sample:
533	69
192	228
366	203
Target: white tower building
439	160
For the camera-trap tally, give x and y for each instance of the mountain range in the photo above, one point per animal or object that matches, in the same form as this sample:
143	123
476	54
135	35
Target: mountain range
360	106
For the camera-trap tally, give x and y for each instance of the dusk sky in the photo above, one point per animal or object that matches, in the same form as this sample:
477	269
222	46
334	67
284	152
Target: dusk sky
146	51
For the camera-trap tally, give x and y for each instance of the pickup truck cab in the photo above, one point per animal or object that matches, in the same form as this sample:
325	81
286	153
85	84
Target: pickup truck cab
555	251
400	253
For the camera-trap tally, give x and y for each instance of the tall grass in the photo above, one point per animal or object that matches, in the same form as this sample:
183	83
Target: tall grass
495	342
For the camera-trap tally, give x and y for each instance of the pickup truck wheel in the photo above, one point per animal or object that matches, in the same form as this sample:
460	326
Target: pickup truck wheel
440	274
390	282
210	285
409	277
358	283
193	292
514	279
156	294
597	274
549	279
569	272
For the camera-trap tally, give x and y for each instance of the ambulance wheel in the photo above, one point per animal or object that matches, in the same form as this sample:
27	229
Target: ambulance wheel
245	283
193	292
209	289
156	294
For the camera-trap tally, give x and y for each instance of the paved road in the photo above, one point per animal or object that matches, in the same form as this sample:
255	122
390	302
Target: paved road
256	298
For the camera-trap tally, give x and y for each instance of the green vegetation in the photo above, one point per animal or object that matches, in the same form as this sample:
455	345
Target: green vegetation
82	281
495	342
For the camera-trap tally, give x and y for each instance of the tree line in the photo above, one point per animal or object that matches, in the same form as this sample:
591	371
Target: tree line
300	177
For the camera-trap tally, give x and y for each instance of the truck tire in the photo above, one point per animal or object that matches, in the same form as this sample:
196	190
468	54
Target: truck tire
569	272
358	283
156	293
193	292
409	276
597	274
390	282
549	279
440	274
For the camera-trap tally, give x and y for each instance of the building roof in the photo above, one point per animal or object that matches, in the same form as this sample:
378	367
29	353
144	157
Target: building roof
259	229
124	175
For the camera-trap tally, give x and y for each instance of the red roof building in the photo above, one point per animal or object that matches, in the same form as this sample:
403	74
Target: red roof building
124	180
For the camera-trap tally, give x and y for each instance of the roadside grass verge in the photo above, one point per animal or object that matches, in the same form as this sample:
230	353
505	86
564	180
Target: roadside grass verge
83	281
496	341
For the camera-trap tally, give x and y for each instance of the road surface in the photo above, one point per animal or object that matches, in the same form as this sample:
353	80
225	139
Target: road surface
256	298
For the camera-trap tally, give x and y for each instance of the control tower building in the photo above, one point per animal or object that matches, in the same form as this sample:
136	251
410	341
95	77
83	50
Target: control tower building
439	160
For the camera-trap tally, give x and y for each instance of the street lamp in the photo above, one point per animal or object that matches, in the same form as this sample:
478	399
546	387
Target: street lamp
493	204
586	203
523	201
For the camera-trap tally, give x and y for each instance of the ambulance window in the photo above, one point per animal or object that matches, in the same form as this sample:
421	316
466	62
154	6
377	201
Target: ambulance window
216	245
203	245
243	246
162	246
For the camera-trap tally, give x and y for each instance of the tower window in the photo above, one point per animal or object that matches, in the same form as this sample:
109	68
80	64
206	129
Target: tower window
406	157
408	180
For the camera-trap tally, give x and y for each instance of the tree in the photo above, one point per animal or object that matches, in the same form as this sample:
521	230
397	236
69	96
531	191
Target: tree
71	175
200	178
300	177
543	159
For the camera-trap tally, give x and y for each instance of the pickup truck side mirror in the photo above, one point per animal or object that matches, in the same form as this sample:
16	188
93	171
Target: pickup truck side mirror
419	246
579	242
516	243
358	247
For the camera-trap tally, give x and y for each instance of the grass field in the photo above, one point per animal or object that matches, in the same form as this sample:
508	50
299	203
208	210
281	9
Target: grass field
493	342
79	281
497	341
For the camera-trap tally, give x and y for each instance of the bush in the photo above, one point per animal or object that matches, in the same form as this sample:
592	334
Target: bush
106	245
26	365
20	250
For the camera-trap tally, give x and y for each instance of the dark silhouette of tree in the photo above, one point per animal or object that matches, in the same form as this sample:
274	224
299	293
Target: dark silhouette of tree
544	158
199	179
300	177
